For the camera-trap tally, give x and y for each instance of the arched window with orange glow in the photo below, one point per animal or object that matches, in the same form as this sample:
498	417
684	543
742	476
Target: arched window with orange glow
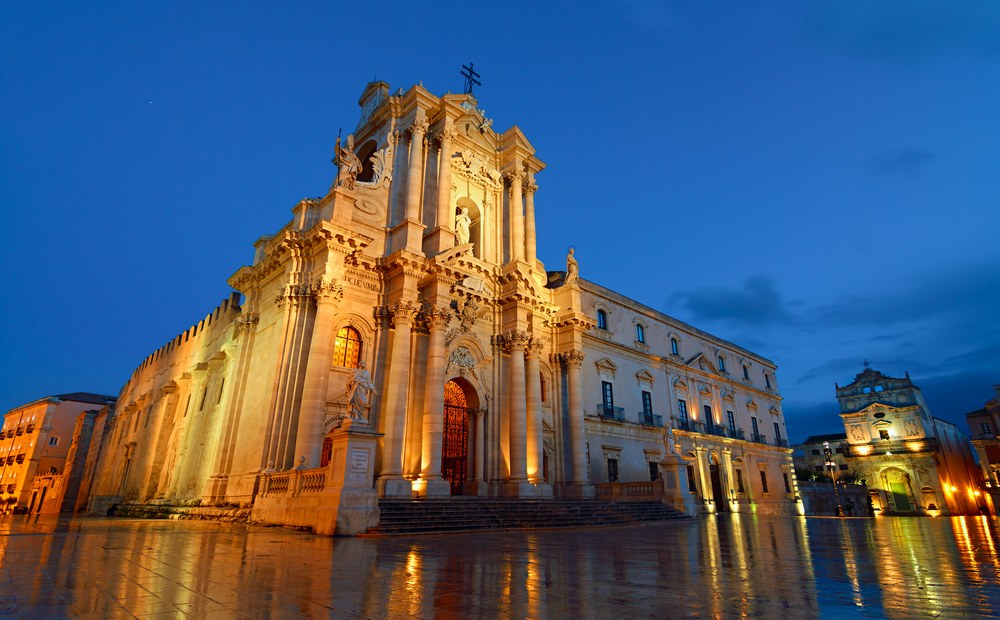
347	348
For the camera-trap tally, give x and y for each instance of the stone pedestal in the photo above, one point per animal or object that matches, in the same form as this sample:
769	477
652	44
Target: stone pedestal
407	235
351	472
438	240
523	488
676	489
578	490
431	488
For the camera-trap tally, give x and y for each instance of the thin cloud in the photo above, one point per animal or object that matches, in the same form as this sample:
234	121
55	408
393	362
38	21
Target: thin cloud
756	303
907	162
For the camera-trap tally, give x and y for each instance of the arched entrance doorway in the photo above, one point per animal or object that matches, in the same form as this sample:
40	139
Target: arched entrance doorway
720	499
459	401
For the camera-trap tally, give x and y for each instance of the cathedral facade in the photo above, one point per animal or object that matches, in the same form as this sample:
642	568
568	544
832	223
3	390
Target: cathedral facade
399	337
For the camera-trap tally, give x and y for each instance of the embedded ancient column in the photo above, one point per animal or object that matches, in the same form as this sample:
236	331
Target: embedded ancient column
534	413
529	222
391	481
312	411
413	180
727	467
480	414
158	436
516	217
577	437
431	482
515	343
445	215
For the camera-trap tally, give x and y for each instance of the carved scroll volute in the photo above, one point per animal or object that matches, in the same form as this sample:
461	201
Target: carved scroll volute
514	340
437	318
534	347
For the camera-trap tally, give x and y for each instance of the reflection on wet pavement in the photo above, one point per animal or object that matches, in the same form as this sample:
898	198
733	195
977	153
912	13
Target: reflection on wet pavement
726	566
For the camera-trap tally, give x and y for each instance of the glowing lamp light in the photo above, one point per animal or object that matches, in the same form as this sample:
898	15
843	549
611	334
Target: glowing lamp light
914	446
952	488
864	450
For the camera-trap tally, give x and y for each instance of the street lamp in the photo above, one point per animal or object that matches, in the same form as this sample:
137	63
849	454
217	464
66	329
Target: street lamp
830	465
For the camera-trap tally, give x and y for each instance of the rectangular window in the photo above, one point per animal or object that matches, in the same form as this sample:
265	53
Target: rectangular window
647	403
732	422
767	380
746	373
883	434
763	480
682	411
612	470
866	390
739	480
777	433
654	470
691	483
541	386
222	384
788	487
985	427
709	421
753	423
53	441
608	398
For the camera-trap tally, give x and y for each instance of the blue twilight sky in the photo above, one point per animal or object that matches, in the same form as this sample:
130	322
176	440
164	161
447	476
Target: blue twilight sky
815	181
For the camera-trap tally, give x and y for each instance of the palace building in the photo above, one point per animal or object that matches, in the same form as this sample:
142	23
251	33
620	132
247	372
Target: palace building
400	338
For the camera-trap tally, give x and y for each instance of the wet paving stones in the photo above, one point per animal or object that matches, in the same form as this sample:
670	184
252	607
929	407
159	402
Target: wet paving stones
711	567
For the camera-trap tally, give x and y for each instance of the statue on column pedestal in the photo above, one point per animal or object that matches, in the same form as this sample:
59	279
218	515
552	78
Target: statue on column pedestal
360	390
348	164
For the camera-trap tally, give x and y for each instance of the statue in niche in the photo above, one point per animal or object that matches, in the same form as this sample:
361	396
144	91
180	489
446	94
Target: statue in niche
360	390
462	224
572	268
348	164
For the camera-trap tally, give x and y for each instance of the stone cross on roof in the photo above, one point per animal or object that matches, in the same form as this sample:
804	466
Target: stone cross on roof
470	78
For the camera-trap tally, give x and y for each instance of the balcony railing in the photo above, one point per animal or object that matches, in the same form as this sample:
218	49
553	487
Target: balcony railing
613	413
650	418
684	425
781	443
924	444
758	438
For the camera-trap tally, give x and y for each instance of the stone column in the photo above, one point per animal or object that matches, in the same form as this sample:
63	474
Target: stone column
431	482
529	222
533	411
480	445
727	485
577	436
445	214
704	476
515	343
391	481
312	411
413	180
516	217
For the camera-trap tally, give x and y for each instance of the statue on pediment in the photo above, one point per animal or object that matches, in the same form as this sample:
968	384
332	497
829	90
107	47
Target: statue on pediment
348	164
572	267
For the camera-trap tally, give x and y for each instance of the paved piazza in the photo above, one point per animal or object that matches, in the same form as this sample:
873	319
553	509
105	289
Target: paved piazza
729	566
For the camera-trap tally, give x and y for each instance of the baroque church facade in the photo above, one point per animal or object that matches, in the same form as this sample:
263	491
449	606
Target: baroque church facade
400	338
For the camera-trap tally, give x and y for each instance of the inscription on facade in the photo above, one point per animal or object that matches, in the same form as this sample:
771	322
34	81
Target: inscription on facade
359	465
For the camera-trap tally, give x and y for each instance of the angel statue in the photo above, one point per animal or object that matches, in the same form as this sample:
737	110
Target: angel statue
462	224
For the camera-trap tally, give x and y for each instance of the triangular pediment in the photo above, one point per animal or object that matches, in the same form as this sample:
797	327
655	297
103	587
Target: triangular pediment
751	404
644	375
774	410
701	362
727	395
606	365
679	382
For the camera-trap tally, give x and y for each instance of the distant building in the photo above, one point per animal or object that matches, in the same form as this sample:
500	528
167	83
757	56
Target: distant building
810	462
35	440
913	462
985	426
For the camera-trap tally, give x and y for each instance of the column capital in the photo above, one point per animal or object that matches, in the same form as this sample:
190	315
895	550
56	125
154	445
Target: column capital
534	347
437	318
514	175
529	188
401	312
514	340
418	127
245	322
572	359
445	135
327	291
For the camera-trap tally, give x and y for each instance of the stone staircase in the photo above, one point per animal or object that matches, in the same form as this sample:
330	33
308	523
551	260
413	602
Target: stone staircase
462	514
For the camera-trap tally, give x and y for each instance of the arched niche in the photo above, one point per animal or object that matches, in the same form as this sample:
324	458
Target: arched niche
365	152
475	228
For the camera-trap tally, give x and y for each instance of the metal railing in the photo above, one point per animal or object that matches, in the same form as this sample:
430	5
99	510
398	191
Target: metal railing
758	438
614	413
650	418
